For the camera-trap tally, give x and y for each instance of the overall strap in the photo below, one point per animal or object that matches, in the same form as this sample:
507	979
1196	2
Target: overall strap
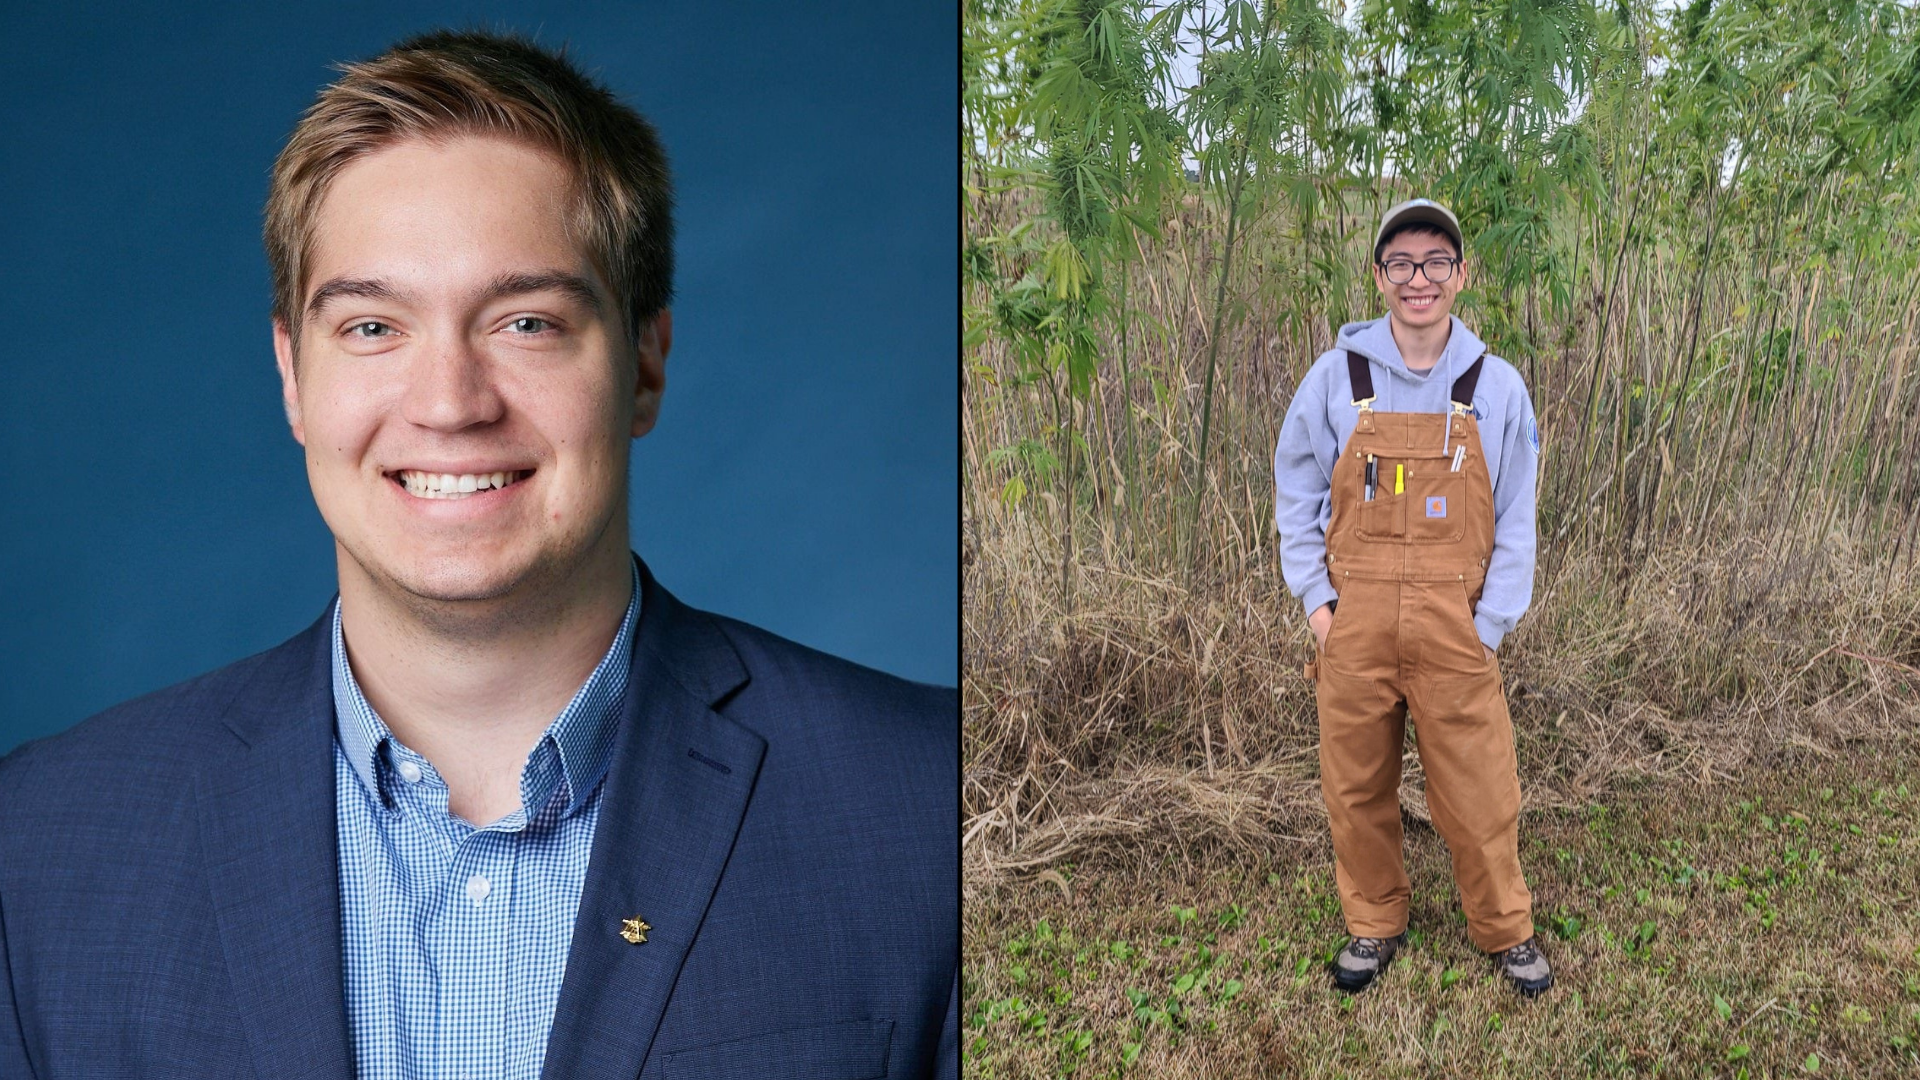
1361	376
1462	394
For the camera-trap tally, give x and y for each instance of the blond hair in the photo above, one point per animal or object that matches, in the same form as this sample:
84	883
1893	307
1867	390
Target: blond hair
447	84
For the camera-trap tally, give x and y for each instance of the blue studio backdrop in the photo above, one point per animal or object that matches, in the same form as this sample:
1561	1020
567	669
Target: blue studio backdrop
157	520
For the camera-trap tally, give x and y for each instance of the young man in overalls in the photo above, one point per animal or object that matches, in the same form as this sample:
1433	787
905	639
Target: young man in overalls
1404	479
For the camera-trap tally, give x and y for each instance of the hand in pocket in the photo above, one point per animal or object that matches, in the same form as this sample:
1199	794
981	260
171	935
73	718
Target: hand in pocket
1320	622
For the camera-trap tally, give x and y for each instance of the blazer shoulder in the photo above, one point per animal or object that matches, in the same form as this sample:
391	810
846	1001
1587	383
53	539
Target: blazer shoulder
827	687
850	751
158	734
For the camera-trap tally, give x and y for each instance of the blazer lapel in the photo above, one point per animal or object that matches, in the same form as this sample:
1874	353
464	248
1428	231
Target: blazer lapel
267	830
677	788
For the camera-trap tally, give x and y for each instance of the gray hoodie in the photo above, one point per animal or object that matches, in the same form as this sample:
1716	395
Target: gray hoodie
1321	418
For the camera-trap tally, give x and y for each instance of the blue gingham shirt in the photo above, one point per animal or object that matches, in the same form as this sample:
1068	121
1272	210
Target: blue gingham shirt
454	937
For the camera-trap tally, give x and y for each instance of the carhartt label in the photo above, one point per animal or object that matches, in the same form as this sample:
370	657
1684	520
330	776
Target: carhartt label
1437	506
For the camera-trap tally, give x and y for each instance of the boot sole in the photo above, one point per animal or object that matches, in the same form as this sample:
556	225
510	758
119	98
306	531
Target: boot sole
1371	979
1532	990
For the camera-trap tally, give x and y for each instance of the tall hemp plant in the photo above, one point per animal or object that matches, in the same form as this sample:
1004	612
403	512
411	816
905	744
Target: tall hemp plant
1099	107
1270	70
1816	177
997	148
1100	149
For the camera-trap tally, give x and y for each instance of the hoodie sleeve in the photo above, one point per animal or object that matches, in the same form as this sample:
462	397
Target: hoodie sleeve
1303	482
1509	587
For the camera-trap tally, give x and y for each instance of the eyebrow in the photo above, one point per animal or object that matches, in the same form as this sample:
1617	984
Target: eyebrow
363	288
572	286
515	283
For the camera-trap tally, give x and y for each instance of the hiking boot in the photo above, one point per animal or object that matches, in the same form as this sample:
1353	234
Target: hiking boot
1525	966
1362	960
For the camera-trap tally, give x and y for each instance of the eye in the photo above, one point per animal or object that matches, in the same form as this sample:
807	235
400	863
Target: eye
370	330
530	324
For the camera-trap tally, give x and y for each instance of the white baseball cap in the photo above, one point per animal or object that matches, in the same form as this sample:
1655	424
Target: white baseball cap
1421	212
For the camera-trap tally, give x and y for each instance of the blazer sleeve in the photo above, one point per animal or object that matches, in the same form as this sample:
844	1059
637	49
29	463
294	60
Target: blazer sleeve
13	1041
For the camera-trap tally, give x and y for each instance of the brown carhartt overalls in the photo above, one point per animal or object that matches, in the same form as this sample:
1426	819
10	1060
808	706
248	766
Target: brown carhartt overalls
1408	565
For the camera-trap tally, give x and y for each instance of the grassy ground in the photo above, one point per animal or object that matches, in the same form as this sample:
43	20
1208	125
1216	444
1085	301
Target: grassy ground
1769	929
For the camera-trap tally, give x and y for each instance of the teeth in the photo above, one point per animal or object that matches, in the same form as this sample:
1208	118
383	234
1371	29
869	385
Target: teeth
448	486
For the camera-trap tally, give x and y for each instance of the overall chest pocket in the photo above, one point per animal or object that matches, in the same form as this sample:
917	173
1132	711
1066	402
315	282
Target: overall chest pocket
1429	508
1436	504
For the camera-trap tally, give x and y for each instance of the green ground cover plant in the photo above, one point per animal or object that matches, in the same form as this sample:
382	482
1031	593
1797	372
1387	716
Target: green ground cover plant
1694	934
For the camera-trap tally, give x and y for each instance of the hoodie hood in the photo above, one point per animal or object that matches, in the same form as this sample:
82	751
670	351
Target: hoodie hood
1373	339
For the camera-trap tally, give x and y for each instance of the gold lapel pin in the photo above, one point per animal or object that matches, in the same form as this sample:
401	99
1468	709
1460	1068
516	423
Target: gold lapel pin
634	930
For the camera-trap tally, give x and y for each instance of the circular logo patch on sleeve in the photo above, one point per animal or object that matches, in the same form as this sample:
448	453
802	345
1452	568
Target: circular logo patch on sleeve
1533	434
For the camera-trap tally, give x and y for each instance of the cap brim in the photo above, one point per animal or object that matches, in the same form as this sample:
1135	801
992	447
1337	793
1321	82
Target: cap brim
1422	215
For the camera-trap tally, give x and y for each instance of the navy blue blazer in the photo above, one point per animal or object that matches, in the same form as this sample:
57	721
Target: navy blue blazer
786	821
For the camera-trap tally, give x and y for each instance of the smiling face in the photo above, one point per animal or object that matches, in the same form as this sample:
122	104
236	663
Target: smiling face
464	388
1419	303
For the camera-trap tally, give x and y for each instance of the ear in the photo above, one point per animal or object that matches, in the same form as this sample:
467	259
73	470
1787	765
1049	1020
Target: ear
1380	280
656	340
289	381
1460	275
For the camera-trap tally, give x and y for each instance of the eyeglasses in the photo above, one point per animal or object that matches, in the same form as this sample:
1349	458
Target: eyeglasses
1400	271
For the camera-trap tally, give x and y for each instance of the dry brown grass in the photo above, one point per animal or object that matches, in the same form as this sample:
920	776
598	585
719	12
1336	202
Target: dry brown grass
1157	719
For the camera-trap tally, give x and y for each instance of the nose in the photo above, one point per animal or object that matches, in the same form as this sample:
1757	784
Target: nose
450	387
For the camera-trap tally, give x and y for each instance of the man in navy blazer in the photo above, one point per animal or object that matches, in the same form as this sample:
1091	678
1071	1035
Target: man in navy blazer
507	809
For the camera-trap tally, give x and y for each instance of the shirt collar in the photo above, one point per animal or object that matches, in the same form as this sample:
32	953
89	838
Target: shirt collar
582	733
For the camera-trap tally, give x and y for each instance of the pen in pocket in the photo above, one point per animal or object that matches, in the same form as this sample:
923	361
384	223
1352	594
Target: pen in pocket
1459	455
1372	477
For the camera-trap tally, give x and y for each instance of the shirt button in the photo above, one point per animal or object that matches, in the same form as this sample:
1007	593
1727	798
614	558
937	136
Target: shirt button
409	772
478	887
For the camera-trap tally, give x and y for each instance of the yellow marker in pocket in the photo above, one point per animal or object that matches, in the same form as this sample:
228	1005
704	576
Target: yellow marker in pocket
1399	479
